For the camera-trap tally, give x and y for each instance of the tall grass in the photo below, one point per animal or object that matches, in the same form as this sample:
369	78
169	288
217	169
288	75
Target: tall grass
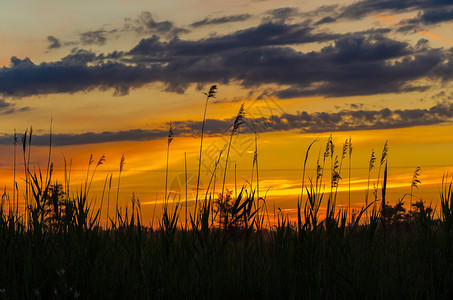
414	184
238	121
169	139
210	94
349	178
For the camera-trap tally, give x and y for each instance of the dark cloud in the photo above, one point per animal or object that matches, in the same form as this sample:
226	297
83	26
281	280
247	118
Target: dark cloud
430	11
267	34
53	42
79	57
4	104
97	37
145	24
91	137
24	78
360	63
288	14
281	15
221	20
7	108
363	8
326	20
427	18
345	120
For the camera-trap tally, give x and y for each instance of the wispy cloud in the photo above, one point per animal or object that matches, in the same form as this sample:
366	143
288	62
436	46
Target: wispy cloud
363	8
427	18
146	24
53	42
221	20
7	108
97	37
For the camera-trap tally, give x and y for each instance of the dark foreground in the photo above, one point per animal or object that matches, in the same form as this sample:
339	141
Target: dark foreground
406	260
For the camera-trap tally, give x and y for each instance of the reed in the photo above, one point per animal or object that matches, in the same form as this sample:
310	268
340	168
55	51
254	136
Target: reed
169	139
414	184
117	212
238	121
210	94
370	167
349	178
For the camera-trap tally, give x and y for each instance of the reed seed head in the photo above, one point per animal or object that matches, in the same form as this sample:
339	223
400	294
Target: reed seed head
415	181
212	91
372	160
239	119
170	134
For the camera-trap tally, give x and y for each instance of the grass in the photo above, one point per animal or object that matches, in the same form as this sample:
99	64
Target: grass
57	248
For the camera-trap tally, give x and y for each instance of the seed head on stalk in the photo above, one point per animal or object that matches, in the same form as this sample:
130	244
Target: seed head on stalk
212	91
210	94
237	123
170	138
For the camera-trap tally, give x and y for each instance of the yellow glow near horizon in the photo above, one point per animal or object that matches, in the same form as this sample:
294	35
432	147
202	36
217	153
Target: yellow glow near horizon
280	155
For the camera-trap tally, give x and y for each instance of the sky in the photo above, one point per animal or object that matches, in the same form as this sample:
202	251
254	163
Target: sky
109	77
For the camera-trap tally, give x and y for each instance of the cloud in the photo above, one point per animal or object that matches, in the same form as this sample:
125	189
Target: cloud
427	18
145	24
4	104
429	11
363	8
267	34
221	20
318	122
345	120
7	108
359	63
97	37
289	14
281	15
54	43
24	78
91	137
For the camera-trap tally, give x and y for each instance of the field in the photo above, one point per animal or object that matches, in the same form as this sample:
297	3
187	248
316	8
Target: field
225	248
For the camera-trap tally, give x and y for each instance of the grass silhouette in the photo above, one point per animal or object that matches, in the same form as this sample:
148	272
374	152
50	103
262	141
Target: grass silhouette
58	249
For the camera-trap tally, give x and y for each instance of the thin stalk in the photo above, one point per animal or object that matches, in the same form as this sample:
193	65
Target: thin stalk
185	178
14	172
370	167
213	176
118	189
343	155
210	94
256	162
299	202
108	201
170	138
237	122
383	158
154	212
235	181
414	184
102	198
349	177
50	151
331	146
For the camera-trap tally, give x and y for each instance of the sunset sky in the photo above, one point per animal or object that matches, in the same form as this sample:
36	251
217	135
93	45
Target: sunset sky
113	75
